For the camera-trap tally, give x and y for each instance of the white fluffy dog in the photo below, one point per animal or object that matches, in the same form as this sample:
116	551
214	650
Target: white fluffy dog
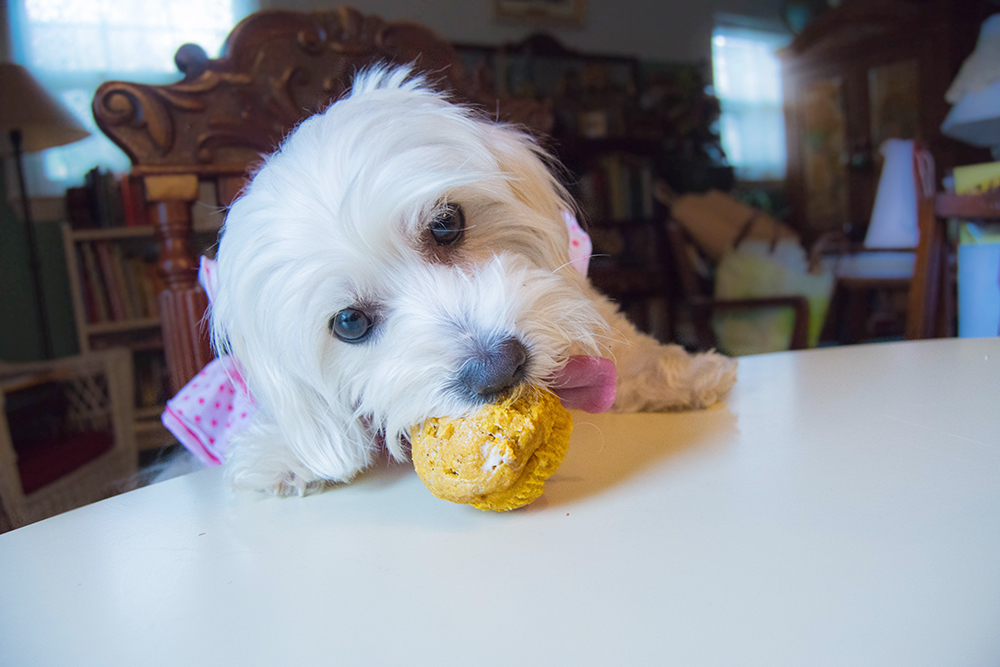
402	257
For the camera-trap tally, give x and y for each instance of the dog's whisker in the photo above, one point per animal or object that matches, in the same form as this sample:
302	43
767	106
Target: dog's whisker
619	339
611	353
565	264
599	431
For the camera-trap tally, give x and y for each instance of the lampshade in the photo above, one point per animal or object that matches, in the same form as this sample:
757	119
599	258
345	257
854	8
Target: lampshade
894	217
44	122
975	93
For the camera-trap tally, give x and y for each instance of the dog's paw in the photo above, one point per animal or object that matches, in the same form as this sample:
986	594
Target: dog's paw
289	484
668	378
712	375
273	476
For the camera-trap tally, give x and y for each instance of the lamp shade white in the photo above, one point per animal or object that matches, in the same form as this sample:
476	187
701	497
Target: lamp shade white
26	107
894	217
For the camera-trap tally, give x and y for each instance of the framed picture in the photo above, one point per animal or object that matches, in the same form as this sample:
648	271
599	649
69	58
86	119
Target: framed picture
564	12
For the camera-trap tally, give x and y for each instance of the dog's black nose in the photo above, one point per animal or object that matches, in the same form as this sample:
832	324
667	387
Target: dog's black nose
494	370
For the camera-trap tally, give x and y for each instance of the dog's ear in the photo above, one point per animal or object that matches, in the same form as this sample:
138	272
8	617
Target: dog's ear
298	425
299	434
533	169
533	183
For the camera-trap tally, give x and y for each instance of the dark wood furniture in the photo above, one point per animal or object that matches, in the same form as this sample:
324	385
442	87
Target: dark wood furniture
697	296
865	306
277	68
931	309
865	72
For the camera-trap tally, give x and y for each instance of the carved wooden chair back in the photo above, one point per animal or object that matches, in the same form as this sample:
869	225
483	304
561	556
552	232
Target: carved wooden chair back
277	68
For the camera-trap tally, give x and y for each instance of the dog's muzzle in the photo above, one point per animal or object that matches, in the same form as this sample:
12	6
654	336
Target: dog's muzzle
494	370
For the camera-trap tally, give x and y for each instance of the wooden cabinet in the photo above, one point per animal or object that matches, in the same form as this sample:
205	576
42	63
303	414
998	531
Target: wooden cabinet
868	71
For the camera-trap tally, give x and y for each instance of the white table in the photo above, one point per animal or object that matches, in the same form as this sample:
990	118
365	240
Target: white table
842	509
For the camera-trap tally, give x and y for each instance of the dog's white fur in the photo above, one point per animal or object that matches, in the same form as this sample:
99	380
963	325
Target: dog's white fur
338	217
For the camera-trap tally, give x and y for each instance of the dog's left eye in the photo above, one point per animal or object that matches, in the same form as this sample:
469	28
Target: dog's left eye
449	225
351	325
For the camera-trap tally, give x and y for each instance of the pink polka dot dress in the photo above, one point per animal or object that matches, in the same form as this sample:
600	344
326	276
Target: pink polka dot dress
205	414
214	405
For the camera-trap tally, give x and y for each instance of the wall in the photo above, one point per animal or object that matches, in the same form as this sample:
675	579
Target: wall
20	330
5	41
669	30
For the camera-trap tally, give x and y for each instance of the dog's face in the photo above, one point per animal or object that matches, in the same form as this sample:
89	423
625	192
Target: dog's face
399	258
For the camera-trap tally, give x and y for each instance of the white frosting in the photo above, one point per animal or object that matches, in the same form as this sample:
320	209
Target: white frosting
493	455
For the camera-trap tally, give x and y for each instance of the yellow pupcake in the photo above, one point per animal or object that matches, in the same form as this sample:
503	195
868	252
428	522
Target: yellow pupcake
499	458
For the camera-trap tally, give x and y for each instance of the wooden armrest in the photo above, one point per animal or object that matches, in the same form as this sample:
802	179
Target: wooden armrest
799	304
984	205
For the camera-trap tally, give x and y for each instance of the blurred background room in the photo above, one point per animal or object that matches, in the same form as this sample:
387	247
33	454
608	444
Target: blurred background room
756	176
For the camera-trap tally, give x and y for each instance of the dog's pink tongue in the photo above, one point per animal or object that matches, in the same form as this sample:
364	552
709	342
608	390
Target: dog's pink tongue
586	383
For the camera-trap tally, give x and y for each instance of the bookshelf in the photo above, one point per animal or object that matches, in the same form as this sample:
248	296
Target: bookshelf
112	255
114	286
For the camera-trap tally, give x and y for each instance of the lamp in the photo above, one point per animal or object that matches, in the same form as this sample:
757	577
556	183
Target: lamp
894	224
32	120
975	93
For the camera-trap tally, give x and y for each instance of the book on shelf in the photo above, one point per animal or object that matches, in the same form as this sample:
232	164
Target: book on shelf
117	287
95	283
107	200
115	292
617	188
127	283
133	201
88	294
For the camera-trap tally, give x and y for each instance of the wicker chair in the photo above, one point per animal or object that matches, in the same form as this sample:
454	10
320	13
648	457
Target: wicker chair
66	434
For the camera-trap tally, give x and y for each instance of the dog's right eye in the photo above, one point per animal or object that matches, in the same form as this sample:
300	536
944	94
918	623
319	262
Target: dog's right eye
449	225
351	325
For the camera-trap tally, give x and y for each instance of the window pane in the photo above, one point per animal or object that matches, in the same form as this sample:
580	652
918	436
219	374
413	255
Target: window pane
62	11
66	48
748	83
74	45
754	140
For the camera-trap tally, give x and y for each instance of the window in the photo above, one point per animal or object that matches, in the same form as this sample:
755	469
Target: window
72	46
747	77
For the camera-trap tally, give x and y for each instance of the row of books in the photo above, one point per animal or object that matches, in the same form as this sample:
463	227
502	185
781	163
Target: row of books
116	287
107	200
616	188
